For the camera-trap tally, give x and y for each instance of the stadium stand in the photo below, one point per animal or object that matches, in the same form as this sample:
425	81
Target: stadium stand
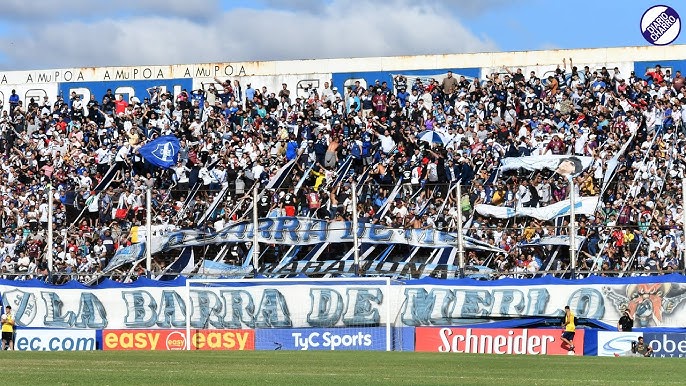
403	145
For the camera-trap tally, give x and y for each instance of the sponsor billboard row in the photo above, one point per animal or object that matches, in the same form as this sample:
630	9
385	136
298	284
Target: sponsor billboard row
422	339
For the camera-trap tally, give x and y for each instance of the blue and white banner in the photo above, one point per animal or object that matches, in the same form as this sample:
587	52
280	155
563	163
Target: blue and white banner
553	240
397	269
126	255
540	162
310	231
582	205
334	339
162	152
211	268
319	303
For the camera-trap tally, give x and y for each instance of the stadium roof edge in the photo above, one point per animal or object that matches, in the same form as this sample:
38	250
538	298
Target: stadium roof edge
599	56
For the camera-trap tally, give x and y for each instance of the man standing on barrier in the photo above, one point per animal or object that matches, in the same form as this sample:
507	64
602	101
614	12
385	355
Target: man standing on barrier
569	330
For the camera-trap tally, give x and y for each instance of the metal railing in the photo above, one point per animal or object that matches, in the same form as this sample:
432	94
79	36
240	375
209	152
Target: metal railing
448	273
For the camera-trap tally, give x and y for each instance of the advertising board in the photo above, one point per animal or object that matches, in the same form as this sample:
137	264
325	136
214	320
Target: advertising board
615	342
494	341
666	345
305	339
55	340
176	340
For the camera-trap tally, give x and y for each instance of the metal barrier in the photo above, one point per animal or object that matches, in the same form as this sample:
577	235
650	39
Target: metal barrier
61	277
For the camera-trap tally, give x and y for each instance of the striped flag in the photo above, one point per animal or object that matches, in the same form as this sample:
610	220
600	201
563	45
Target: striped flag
184	264
343	171
278	179
106	179
215	204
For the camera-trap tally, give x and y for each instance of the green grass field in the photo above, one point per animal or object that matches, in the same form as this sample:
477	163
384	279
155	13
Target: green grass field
333	368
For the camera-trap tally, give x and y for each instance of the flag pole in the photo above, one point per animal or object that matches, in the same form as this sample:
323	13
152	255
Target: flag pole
460	242
49	230
148	232
255	244
572	227
683	219
356	241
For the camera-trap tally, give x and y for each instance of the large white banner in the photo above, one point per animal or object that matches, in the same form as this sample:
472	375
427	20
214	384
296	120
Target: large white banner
554	240
583	205
321	303
540	162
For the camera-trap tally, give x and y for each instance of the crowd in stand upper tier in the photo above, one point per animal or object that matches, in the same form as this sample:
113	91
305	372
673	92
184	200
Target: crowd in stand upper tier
242	134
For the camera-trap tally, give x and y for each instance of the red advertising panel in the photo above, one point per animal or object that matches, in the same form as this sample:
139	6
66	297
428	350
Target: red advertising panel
176	340
494	341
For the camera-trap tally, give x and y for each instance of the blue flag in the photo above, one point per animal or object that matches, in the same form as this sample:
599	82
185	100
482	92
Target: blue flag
162	152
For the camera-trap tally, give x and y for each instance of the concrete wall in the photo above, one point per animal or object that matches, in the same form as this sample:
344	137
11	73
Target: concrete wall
317	66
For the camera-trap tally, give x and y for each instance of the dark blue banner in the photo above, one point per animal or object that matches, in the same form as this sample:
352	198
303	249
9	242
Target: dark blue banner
666	344
349	338
369	78
128	88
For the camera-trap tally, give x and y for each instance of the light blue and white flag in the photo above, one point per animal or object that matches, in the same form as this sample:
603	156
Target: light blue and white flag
130	254
583	205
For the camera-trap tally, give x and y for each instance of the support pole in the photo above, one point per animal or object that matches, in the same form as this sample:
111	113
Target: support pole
460	236
148	232
48	251
572	227
682	264
255	244
356	241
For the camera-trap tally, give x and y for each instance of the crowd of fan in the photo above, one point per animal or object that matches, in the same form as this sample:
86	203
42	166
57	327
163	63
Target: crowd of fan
240	136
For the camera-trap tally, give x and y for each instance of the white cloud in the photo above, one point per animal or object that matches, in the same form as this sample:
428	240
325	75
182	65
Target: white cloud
342	28
15	11
463	7
312	6
470	7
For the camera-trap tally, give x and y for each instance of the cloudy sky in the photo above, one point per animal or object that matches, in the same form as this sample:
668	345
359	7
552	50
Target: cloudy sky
43	34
